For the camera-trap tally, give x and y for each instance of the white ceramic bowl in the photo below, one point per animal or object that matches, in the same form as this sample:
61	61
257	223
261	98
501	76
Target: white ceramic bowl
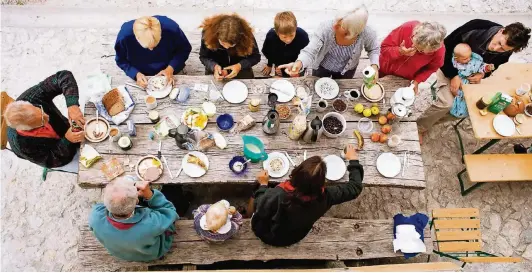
340	118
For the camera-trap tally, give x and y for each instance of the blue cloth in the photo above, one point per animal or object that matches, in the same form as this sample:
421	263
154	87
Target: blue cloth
459	107
418	220
146	236
173	49
475	65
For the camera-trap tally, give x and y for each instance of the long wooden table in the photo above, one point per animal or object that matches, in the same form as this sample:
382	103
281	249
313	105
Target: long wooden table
219	171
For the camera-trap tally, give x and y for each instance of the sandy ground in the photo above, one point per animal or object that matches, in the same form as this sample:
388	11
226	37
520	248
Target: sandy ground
40	220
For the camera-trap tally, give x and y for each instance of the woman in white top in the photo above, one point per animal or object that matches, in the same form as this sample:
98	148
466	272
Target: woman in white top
335	48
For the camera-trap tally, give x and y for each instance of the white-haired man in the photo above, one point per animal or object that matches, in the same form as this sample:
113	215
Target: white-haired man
131	232
335	48
37	131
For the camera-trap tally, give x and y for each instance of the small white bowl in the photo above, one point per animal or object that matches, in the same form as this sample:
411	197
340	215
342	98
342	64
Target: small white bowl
340	118
365	120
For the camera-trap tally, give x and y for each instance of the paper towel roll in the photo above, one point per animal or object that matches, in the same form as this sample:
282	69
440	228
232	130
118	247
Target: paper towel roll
368	74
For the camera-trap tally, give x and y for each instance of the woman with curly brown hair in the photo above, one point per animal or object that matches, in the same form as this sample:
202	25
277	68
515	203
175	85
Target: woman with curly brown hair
228	47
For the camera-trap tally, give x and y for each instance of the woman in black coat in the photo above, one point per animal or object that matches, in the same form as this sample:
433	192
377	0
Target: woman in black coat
285	214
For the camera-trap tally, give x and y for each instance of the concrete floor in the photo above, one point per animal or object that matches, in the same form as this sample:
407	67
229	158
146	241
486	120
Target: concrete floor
40	220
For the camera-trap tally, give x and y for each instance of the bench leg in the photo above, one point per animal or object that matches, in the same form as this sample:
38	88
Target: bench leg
463	190
44	174
455	126
486	146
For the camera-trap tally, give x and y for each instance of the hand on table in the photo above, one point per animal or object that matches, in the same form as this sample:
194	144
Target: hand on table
266	70
235	69
219	73
455	85
168	72
403	50
144	190
74	114
142	81
475	78
263	177
351	153
292	69
74	137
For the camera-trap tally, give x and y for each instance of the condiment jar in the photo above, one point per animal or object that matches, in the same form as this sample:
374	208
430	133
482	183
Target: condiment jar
254	105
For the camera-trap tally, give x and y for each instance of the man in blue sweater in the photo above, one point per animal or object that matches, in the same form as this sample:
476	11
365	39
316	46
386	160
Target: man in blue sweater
131	232
151	46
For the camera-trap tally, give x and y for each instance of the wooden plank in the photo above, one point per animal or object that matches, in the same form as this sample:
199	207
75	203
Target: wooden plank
408	267
258	88
219	171
455	212
491	259
329	239
456	223
459	246
483	125
499	167
513	74
458	235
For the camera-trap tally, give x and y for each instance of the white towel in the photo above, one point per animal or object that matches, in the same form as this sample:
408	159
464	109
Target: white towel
408	240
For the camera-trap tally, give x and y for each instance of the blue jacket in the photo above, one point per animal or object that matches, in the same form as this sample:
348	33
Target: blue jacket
146	236
173	49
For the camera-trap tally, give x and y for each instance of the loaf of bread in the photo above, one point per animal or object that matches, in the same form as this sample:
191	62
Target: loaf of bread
113	102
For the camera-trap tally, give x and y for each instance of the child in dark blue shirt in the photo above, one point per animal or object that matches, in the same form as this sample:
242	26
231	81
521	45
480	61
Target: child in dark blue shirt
283	43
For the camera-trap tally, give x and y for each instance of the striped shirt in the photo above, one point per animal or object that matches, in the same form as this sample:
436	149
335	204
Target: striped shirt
336	59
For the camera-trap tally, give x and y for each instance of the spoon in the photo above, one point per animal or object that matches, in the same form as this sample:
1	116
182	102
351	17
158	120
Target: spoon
97	133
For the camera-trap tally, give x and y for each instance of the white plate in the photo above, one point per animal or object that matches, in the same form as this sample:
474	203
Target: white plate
332	93
504	125
287	93
158	93
335	167
235	91
280	173
90	127
201	113
388	164
194	170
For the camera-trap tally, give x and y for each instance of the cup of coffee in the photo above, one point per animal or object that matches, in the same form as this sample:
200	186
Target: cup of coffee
352	94
151	102
394	141
115	133
322	105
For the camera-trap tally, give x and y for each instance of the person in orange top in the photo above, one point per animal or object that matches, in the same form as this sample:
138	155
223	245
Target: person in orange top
413	51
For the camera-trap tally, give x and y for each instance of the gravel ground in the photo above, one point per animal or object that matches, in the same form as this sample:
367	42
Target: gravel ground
40	220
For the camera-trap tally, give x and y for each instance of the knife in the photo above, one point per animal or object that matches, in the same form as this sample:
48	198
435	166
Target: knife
159	155
169	171
136	86
404	164
290	159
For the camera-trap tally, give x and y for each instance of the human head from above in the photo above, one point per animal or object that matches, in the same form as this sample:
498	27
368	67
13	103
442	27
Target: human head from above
462	53
427	37
217	215
24	116
350	24
285	25
231	32
147	30
120	197
513	37
309	177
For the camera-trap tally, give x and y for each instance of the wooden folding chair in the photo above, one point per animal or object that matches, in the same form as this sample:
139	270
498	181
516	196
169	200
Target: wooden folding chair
457	236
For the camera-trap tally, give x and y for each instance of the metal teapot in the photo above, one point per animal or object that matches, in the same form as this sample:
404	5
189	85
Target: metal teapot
314	130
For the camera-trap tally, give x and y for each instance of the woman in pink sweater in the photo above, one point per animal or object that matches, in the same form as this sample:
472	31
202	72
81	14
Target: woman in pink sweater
413	51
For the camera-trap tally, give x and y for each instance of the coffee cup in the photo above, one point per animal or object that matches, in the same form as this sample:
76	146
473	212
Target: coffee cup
154	116
115	133
352	94
394	141
151	102
322	105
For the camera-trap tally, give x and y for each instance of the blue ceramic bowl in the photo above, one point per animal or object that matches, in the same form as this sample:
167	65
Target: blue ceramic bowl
225	122
240	159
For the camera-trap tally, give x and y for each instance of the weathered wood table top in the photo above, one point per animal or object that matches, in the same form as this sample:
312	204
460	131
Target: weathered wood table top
219	159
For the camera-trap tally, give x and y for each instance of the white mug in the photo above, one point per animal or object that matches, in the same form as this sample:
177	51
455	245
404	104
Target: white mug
523	89
322	105
151	102
352	94
394	141
118	133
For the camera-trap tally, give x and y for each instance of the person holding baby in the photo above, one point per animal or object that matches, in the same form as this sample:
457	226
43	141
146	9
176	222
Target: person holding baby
488	45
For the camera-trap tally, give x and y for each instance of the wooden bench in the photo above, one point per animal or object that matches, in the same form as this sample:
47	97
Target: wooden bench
483	168
457	236
408	267
329	239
